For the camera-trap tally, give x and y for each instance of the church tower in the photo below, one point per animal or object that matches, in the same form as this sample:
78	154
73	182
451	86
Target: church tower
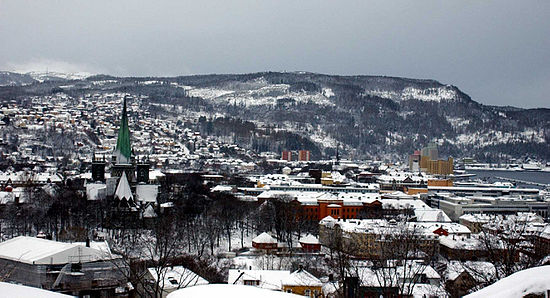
98	168
123	149
122	155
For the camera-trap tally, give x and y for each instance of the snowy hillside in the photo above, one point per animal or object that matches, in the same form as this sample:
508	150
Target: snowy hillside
366	116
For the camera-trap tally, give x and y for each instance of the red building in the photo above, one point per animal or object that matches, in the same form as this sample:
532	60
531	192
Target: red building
321	206
287	155
304	155
310	243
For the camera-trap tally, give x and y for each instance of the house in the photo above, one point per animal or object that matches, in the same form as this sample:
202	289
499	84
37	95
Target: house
410	279
62	267
174	278
298	282
461	277
303	283
265	279
264	241
462	248
310	243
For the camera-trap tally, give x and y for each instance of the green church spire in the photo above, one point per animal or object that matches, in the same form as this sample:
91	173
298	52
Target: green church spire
123	148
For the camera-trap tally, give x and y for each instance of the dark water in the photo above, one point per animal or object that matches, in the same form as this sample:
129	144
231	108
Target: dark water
491	176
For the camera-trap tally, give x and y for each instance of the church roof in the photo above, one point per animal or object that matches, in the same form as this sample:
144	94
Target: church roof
123	190
123	147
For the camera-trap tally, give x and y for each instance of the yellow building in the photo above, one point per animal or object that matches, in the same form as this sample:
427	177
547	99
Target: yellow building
303	283
437	167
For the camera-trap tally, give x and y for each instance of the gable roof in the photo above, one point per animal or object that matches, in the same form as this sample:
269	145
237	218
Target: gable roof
177	277
301	277
147	193
268	279
123	190
309	239
32	250
264	238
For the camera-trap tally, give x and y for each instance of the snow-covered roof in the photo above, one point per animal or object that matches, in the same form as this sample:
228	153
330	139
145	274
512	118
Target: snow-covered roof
450	227
41	251
268	279
123	190
530	281
19	291
301	277
99	245
479	270
368	276
230	290
404	204
177	277
222	188
477	217
147	193
149	212
327	219
309	239
434	215
461	242
264	238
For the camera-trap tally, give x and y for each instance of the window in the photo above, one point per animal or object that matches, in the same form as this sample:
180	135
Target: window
289	290
172	280
307	292
251	282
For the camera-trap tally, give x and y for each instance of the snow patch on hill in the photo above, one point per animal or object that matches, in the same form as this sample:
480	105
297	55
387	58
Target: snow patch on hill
427	94
482	139
43	76
259	92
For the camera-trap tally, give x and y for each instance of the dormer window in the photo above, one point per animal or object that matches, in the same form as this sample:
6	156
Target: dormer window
172	280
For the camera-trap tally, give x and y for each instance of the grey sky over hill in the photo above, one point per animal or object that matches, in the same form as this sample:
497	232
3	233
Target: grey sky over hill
496	51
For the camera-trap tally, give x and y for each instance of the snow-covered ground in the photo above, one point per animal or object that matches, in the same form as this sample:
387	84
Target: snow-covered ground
223	290
530	281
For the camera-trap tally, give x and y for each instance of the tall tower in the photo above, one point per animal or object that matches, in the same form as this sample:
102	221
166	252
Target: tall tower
98	168
123	149
122	155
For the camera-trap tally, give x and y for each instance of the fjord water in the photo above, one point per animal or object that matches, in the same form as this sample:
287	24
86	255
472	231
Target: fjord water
538	177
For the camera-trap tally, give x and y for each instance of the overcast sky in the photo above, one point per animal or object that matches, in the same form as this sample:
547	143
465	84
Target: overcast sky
496	51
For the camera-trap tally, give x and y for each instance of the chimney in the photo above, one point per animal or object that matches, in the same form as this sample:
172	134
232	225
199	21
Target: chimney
87	241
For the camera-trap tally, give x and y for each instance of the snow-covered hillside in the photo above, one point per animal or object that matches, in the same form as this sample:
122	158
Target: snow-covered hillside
426	94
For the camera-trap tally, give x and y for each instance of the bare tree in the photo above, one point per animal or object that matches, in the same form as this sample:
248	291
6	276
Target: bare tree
508	242
143	249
